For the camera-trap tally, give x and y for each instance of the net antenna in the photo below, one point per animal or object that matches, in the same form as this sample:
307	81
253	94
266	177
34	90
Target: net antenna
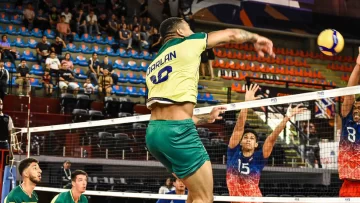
14	146
28	122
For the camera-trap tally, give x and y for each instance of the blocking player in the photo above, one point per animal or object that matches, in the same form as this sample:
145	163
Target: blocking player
75	195
172	81
30	171
349	146
244	161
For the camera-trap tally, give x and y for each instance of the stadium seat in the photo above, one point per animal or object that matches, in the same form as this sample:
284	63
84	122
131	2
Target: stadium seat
12	82
237	87
131	65
10	67
131	77
32	43
142	91
299	72
81	60
119	90
99	40
109	40
9	8
143	66
132	92
4	18
28	56
134	54
50	34
85	49
80	73
142	78
23	31
19	9
35	82
122	78
123	53
72	48
19	42
119	64
200	98
37	70
110	52
36	32
16	19
11	30
87	38
144	55
2	31
97	49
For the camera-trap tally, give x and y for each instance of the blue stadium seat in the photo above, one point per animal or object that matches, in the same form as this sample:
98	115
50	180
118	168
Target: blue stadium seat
18	42
131	65
81	60
9	8
131	77
72	48
10	67
50	34
118	90
28	56
15	19
110	52
132	91
109	40
122	78
142	91
73	60
145	55
80	73
87	38
4	18
97	49
99	40
143	66
85	49
200	98
11	30
123	53
36	32
119	64
2	31
76	37
209	98
24	32
142	78
133	54
36	70
32	43
34	82
19	10
12	82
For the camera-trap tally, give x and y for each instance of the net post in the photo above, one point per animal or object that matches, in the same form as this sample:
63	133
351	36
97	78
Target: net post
106	154
123	154
64	151
28	123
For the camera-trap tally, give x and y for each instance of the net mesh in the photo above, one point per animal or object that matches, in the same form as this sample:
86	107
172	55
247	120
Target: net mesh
302	165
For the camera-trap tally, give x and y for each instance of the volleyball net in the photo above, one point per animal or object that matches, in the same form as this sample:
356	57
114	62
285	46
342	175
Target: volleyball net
301	168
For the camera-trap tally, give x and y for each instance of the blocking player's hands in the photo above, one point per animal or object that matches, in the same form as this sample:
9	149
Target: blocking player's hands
215	113
293	111
263	45
251	91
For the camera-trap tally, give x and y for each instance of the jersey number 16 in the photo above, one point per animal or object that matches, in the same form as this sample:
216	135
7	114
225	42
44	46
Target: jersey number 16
244	168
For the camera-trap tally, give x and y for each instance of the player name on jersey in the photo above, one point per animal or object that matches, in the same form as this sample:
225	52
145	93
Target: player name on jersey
168	57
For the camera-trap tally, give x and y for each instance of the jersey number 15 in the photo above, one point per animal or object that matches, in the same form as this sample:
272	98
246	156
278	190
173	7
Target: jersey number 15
244	168
163	75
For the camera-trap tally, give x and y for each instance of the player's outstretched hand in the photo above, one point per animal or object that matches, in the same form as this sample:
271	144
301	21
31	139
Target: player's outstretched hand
250	92
293	111
215	113
358	58
264	45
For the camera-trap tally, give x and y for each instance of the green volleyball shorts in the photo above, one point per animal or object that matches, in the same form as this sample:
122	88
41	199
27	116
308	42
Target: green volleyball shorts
176	144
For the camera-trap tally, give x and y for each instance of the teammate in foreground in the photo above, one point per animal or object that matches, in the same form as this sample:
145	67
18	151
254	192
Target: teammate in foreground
30	171
349	146
244	161
172	80
75	195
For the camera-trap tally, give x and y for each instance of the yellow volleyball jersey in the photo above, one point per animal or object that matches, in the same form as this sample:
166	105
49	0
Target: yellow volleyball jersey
173	76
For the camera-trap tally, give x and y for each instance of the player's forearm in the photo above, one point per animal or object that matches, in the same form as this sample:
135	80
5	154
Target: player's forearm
279	128
201	119
242	36
240	123
354	77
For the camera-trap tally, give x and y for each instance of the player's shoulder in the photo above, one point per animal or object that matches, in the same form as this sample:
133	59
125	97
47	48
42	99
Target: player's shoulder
83	198
13	195
198	35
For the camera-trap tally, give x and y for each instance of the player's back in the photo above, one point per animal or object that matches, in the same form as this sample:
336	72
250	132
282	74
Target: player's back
349	149
18	195
174	74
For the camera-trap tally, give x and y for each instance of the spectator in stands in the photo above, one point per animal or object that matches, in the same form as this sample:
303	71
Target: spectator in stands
122	21
93	64
103	23
67	14
42	20
207	58
108	67
66	81
67	62
22	73
91	20
134	24
314	139
65	173
6	125
89	88
155	41
53	17
42	50
58	46
180	189
63	28
112	25
6	50
105	83
167	187
137	39
147	28
52	63
4	78
29	16
81	21
47	82
144	9
120	7
125	36
166	12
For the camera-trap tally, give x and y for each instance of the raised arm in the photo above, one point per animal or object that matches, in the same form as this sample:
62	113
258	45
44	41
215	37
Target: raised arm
353	80
271	139
209	118
262	45
240	123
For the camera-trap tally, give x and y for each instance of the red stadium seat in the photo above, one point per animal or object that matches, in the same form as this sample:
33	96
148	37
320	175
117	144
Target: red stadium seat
289	71
230	64
219	63
308	73
240	66
280	70
299	72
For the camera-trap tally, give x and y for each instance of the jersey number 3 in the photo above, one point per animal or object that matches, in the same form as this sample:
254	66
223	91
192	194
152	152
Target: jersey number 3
244	168
351	134
163	75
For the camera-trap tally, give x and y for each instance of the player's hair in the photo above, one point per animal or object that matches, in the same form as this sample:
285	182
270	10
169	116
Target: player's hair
168	26
358	99
76	173
250	130
25	163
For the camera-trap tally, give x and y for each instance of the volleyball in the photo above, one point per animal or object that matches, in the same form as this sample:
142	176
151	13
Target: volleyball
330	42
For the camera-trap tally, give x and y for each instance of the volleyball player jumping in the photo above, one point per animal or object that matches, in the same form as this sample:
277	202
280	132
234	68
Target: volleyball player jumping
349	146
244	161
172	81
